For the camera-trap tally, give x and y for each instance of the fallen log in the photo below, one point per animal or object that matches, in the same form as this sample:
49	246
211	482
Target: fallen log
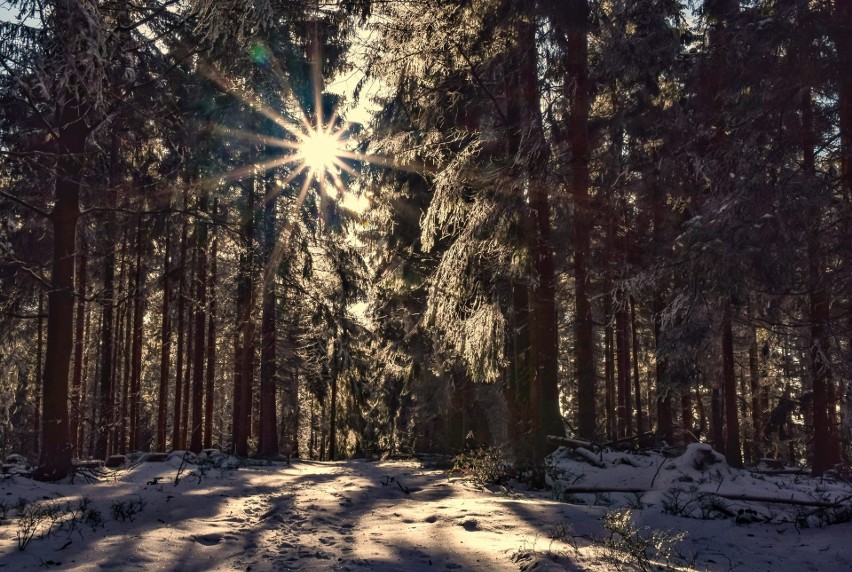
773	500
589	457
731	497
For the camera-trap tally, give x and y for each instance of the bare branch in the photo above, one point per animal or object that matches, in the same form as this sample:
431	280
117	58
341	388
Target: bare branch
24	203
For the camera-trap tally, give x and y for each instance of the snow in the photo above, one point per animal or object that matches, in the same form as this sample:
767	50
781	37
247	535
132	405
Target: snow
217	512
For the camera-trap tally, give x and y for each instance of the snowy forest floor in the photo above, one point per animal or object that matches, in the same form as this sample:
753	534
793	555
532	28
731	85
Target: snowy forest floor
359	515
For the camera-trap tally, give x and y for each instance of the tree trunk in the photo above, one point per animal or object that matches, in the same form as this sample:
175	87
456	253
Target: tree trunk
543	330
640	422
190	354
609	366
209	389
733	451
717	422
196	439
244	350
687	419
108	242
165	347
268	441
622	362
38	373
843	41
79	343
178	401
55	459
574	16
756	412
136	347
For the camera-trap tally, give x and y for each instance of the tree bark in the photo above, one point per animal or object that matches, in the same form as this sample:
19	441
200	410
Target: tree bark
106	382
733	451
196	430
39	394
268	438
543	331
622	362
209	388
55	459
640	422
574	16
244	350
178	401
79	343
165	346
136	347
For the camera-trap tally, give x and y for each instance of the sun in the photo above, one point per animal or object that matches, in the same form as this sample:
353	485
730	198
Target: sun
320	151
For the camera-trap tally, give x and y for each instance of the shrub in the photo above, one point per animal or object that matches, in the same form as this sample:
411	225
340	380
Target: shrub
630	545
483	465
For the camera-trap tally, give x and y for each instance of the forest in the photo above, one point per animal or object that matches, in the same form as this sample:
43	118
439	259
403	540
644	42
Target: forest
333	229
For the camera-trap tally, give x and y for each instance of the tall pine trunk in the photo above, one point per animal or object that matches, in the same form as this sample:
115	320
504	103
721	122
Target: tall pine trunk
209	388
181	333
108	242
136	344
574	17
196	438
55	458
79	344
165	346
268	438
733	451
244	347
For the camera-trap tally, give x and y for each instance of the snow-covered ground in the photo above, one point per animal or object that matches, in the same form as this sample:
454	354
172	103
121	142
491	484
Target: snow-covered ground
359	515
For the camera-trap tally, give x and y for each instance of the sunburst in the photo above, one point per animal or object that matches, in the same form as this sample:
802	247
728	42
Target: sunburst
320	151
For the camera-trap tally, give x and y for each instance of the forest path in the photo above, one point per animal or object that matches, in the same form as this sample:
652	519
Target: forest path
383	516
349	515
358	515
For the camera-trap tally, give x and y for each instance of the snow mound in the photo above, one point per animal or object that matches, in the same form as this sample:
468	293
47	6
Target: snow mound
697	484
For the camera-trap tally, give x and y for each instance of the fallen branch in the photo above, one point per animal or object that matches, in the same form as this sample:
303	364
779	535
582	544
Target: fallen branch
589	457
732	497
790	501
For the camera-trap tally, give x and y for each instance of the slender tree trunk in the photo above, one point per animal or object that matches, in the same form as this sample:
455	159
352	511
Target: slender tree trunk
165	347
209	388
640	422
332	414
609	366
733	451
125	347
687	419
622	362
268	441
244	352
136	363
717	422
178	401
79	343
85	393
190	354
196	440
107	380
39	394
756	410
